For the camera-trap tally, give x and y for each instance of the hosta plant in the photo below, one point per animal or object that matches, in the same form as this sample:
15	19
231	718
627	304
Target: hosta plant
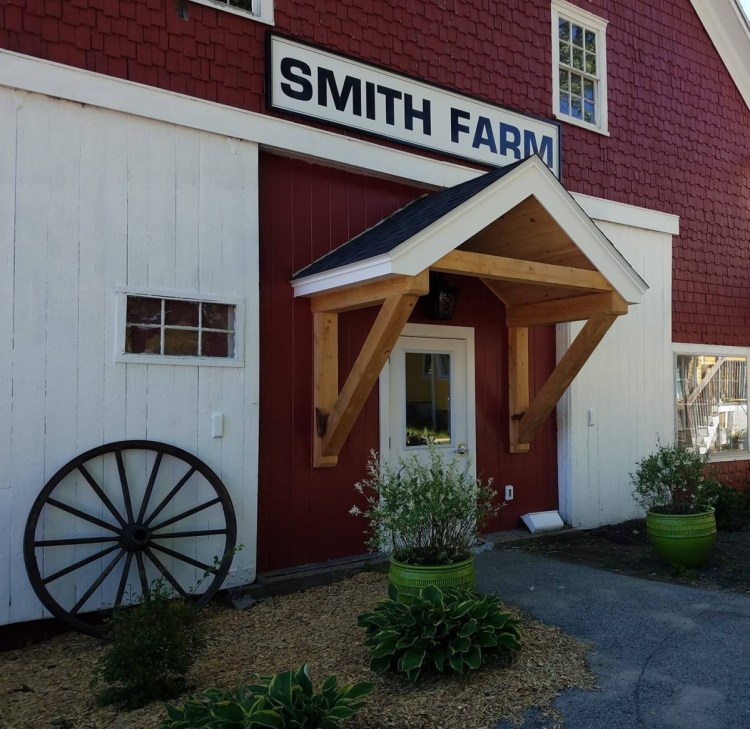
450	630
281	701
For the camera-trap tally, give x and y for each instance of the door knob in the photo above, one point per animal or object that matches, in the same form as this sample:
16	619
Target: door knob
461	449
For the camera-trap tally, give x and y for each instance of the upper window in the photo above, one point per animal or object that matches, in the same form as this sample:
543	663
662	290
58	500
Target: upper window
579	77
712	398
259	9
157	328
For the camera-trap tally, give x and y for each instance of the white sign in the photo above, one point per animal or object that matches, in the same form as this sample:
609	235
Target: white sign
314	83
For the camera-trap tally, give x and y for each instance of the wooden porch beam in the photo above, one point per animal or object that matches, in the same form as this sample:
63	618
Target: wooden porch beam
518	381
495	287
512	269
385	332
358	297
565	310
568	367
325	378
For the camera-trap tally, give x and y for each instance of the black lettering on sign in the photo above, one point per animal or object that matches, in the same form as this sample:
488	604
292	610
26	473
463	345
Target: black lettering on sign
288	68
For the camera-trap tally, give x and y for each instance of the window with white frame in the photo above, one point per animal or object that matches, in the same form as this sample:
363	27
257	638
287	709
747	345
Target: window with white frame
579	66
261	10
712	397
171	329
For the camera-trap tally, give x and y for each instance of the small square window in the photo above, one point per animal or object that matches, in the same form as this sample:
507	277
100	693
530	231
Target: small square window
173	330
579	79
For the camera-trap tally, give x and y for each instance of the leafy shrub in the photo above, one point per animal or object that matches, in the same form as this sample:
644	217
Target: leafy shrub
153	646
281	701
451	630
732	507
672	481
424	512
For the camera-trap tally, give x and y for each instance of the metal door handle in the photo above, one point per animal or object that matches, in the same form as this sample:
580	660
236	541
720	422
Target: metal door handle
461	449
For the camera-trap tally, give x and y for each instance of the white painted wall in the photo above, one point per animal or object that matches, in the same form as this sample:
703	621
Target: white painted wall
89	200
628	382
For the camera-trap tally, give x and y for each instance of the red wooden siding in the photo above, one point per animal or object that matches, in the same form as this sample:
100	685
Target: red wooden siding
676	119
303	512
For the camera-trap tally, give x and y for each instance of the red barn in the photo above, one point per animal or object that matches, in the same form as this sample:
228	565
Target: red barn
279	234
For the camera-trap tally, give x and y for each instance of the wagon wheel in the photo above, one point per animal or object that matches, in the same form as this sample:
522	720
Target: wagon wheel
123	508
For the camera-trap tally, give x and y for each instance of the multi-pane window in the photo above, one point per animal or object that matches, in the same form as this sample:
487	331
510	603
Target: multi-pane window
712	397
579	81
261	10
179	327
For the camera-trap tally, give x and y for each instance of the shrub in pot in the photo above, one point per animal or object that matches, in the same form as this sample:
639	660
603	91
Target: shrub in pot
671	485
425	512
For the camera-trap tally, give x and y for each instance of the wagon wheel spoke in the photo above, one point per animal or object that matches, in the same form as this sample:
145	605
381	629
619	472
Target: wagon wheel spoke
129	539
179	535
78	565
170	578
124	485
74	540
103	576
98	491
83	515
183	557
171	495
149	486
186	514
123	579
142	574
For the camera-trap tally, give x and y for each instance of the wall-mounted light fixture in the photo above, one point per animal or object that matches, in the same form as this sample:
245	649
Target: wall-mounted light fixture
441	300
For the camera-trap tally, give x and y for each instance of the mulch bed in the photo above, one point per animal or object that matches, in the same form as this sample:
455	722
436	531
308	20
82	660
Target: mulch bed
50	681
625	548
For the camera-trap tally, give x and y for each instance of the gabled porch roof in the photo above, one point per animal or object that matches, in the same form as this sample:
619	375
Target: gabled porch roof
521	233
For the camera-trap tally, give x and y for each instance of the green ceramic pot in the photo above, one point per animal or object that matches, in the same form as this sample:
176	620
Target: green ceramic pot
408	579
687	540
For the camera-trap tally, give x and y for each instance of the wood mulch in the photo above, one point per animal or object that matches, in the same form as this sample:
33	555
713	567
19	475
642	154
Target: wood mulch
49	682
625	548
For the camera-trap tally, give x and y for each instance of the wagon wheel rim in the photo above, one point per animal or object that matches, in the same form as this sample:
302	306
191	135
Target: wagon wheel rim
130	540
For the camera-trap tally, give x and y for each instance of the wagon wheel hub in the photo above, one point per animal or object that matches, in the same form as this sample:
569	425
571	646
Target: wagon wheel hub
135	537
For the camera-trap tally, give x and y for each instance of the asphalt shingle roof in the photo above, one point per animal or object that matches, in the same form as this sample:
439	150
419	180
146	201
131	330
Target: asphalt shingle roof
403	224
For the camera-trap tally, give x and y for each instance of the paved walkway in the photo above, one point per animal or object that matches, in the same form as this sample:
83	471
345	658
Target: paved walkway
666	656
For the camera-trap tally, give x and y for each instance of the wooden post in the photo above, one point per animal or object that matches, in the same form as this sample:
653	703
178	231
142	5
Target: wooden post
325	379
518	381
567	368
385	332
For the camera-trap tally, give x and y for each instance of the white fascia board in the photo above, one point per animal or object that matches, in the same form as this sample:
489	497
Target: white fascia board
608	211
25	73
532	178
339	278
35	75
729	31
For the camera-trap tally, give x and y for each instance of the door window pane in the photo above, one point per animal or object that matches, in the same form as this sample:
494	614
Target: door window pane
428	398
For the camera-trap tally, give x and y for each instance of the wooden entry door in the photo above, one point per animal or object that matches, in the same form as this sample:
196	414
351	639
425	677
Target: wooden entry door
427	390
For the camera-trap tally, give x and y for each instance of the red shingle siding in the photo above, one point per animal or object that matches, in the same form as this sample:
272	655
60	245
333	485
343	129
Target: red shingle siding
678	141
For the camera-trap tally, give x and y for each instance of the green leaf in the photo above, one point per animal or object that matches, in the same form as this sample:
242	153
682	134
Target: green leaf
462	609
433	595
405	642
229	711
329	684
461	645
341	712
457	662
302	678
413	675
485	639
268	718
173	712
386	648
378	665
468	628
411	659
357	690
473	658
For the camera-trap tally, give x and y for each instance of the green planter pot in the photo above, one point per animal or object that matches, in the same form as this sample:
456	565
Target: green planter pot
687	540
408	579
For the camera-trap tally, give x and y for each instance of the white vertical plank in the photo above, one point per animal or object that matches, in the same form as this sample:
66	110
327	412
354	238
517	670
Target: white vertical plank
29	326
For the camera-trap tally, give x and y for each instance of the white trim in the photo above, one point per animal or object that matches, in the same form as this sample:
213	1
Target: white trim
53	79
122	292
531	178
594	22
729	30
434	331
608	211
367	270
263	14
